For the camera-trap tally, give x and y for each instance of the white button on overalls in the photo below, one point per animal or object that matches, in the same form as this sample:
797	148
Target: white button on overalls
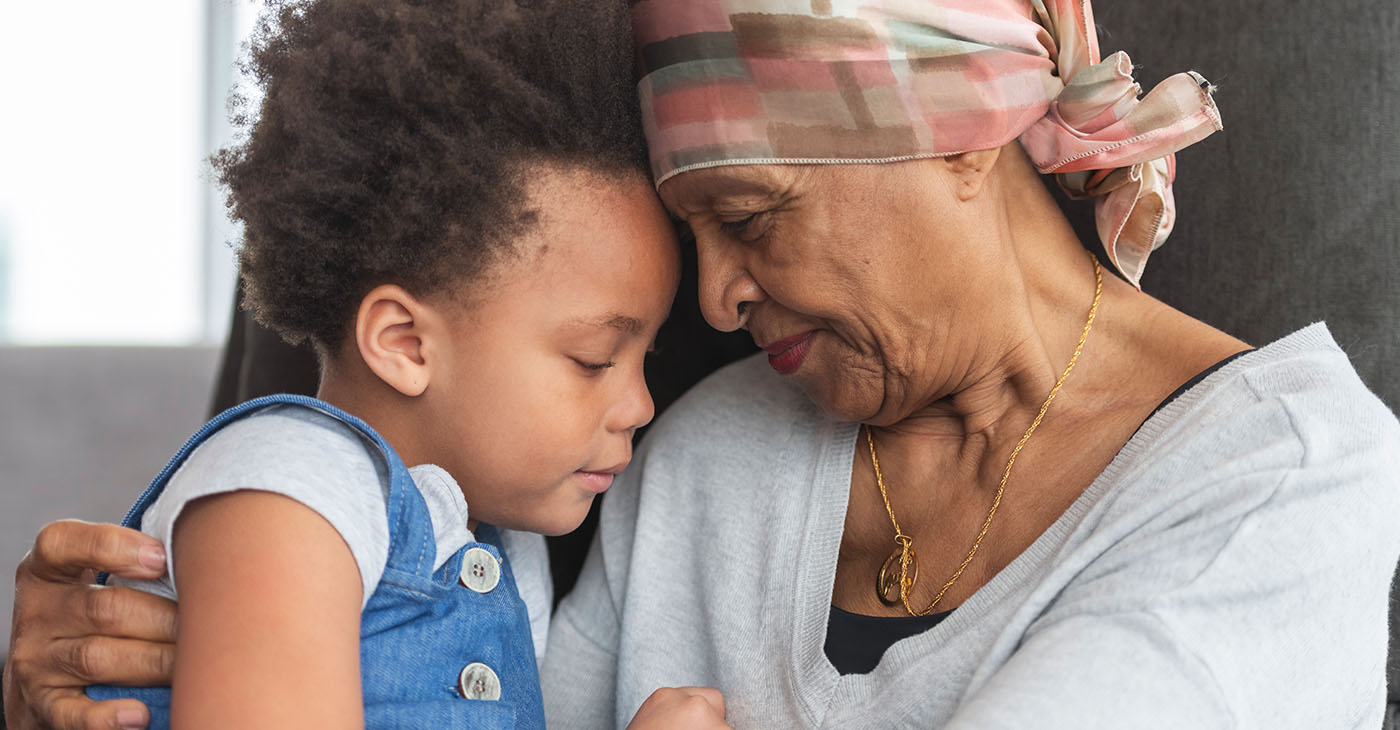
480	570
479	682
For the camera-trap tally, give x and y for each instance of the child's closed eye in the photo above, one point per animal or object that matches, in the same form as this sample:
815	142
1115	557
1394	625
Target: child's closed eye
594	366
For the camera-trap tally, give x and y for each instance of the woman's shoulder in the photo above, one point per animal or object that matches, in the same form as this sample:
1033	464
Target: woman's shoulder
1233	507
1289	424
1311	377
1301	387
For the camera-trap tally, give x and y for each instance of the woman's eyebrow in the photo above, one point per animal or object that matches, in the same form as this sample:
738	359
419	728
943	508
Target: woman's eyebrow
613	320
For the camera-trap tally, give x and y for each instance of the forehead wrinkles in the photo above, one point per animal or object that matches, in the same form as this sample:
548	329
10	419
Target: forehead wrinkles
699	191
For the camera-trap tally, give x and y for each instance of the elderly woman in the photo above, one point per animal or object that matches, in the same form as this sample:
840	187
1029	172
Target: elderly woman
977	480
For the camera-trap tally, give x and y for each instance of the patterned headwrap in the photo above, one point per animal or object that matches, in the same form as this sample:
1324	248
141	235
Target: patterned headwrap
838	81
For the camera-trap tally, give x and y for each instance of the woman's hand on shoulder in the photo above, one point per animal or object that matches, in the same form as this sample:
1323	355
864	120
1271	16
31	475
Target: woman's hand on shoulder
681	708
67	633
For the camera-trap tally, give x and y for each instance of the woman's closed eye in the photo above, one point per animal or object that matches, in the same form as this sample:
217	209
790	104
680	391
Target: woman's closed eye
735	229
744	229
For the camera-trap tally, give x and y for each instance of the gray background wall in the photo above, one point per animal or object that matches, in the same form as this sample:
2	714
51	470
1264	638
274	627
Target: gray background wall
83	430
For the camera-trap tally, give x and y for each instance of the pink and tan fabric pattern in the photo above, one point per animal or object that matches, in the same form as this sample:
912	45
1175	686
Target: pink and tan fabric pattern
731	82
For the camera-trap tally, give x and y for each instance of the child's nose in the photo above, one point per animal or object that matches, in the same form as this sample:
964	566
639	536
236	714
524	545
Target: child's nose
636	408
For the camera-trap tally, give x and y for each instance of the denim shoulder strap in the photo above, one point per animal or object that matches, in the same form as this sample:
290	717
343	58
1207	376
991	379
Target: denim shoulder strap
411	543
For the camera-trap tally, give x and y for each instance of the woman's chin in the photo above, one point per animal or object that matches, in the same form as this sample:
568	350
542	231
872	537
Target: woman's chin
840	401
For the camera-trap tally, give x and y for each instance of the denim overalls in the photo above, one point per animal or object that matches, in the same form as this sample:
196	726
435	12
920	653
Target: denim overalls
444	649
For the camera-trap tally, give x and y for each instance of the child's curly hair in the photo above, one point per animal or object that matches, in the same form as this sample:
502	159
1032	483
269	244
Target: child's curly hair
393	137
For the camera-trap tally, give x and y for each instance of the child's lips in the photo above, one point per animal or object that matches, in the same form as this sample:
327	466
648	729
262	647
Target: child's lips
599	481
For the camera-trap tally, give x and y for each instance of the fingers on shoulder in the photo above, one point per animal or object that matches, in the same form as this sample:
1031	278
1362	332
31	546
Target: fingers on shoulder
70	709
123	612
65	549
104	659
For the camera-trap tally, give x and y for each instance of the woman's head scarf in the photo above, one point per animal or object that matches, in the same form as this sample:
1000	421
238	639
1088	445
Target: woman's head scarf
730	82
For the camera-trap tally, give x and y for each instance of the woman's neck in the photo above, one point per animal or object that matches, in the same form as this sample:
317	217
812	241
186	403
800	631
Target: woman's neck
1019	351
1137	352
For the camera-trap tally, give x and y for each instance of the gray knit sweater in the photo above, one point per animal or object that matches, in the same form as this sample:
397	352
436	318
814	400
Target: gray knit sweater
1229	569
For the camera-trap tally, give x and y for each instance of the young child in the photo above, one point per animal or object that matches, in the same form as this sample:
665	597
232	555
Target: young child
449	199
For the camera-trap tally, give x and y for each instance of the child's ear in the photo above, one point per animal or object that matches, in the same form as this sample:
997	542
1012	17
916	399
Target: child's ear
390	333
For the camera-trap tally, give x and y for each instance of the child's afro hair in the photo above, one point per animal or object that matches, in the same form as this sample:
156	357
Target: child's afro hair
393	137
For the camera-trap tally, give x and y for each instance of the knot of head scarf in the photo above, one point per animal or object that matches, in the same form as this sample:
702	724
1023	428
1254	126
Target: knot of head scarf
731	82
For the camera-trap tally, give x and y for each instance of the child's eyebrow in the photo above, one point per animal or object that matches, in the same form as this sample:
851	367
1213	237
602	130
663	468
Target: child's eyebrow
612	320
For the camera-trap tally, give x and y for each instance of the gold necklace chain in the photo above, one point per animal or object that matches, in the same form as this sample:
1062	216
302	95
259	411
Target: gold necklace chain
884	580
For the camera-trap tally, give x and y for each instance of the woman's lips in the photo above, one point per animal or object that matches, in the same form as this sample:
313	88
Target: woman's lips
786	355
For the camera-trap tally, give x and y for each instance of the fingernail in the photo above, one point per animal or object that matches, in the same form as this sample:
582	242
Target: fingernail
152	557
130	719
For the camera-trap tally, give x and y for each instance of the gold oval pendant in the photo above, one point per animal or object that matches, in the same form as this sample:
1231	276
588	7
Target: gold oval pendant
887	582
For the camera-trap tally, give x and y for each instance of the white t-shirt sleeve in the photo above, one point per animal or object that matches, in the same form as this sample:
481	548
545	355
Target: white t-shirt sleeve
295	452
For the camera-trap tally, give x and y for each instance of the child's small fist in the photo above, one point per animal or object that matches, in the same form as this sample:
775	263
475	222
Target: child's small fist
681	708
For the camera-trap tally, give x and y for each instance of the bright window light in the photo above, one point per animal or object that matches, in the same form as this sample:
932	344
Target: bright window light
111	231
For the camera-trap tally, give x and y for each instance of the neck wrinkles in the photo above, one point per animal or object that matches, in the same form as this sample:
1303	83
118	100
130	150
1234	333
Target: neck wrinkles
1004	388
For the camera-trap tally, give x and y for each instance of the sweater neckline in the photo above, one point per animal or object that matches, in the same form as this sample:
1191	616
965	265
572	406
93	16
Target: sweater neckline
819	686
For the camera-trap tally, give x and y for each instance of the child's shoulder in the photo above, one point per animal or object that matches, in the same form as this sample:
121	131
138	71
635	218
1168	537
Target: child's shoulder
285	442
297	452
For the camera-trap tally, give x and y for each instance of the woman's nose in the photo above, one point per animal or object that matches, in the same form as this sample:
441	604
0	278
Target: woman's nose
727	289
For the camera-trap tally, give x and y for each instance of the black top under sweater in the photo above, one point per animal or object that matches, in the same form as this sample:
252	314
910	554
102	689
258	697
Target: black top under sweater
855	643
